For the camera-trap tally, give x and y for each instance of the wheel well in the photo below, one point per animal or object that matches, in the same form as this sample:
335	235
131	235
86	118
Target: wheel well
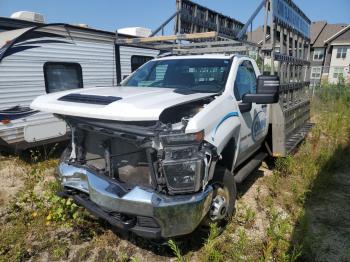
228	154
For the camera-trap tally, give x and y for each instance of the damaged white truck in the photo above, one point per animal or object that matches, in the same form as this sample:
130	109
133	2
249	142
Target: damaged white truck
161	154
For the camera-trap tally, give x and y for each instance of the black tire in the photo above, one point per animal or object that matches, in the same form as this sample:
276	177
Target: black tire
223	182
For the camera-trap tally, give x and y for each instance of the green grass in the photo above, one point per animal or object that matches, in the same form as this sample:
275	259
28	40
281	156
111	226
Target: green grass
294	179
176	251
34	213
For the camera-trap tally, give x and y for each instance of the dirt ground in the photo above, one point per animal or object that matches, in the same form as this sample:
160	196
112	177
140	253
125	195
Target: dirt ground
328	224
11	177
96	241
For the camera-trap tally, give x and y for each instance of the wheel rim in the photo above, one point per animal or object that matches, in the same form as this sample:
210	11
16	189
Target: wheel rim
219	206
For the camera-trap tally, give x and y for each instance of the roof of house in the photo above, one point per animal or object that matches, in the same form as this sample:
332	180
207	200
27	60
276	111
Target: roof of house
316	29
340	37
328	31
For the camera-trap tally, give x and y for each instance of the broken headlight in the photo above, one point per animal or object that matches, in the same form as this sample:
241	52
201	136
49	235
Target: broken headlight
184	176
183	162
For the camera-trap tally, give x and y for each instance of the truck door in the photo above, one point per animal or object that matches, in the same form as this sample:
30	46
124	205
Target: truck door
253	117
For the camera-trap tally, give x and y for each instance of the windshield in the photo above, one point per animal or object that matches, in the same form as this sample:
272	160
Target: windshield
193	75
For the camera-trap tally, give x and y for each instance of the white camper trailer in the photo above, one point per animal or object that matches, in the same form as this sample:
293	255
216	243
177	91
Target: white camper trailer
54	57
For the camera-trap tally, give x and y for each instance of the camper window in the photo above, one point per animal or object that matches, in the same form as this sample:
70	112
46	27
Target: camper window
137	61
61	76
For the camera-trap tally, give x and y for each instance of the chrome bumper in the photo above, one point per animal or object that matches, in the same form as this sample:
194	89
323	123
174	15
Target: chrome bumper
176	215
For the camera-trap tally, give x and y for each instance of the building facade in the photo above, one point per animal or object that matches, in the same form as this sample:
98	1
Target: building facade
329	53
338	57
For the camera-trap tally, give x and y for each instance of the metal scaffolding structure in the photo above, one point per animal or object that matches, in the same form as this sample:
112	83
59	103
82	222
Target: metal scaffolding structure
195	18
286	46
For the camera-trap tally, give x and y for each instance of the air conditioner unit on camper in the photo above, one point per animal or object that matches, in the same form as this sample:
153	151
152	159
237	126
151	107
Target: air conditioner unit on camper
83	25
136	31
28	16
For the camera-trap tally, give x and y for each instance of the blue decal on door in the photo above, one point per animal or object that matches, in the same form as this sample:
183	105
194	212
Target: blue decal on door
229	115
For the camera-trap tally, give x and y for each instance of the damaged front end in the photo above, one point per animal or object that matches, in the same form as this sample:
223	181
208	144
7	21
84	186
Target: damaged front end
147	177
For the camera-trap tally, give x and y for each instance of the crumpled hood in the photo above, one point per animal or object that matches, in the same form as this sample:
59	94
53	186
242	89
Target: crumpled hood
134	104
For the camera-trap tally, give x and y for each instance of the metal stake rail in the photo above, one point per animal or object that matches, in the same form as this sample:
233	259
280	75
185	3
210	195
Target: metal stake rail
288	48
207	44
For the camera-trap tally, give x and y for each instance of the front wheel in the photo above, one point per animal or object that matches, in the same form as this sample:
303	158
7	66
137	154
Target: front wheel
224	198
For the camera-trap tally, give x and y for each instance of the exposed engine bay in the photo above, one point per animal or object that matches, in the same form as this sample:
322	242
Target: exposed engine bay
152	154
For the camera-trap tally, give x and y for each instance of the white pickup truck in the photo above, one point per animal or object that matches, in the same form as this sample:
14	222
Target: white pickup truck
161	154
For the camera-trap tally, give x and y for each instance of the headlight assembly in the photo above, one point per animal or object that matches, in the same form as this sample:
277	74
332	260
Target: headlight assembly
183	176
183	162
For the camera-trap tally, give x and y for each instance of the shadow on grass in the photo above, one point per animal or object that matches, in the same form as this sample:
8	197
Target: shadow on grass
249	182
43	153
37	154
323	231
189	243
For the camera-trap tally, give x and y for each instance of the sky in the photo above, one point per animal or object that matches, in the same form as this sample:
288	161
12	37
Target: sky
113	14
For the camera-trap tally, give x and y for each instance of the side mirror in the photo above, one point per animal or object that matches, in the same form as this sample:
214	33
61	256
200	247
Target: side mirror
267	91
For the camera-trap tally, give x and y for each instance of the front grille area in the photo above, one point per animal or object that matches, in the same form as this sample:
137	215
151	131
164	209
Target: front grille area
128	162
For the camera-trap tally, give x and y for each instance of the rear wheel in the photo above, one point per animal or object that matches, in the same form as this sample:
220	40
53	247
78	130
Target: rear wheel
224	198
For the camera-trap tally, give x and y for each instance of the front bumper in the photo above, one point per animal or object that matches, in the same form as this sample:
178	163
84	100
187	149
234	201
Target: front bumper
175	215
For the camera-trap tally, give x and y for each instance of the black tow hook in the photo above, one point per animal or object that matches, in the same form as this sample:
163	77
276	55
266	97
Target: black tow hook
127	221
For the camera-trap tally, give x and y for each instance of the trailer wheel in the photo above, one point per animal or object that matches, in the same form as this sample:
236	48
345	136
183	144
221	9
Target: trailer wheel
224	198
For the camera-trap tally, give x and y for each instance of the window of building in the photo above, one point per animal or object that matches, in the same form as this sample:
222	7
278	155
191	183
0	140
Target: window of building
338	72
137	61
245	80
341	52
318	54
60	76
316	72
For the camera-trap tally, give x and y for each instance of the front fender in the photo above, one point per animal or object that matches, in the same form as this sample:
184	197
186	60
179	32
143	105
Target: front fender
228	127
220	122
